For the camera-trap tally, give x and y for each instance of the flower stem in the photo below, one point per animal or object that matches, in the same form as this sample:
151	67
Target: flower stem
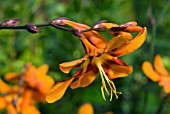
163	102
155	23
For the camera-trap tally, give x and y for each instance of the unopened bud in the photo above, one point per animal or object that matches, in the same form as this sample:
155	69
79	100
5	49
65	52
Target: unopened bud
59	21
133	23
120	28
99	25
10	22
77	33
32	28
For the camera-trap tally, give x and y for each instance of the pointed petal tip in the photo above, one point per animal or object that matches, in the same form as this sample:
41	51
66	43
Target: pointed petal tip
149	71
58	90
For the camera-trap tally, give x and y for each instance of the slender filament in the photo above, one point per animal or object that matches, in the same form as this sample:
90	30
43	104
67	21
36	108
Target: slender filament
109	82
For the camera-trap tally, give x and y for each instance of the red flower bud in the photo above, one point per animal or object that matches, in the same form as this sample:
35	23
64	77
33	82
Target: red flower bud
59	21
77	33
32	28
10	22
99	25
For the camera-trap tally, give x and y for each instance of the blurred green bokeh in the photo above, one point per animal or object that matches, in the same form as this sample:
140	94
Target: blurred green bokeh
53	46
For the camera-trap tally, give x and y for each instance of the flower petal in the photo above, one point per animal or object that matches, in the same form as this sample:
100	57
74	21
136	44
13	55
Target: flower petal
4	88
149	72
12	76
45	84
115	67
117	71
86	108
133	29
132	45
67	66
84	80
27	98
159	66
58	90
3	103
165	82
116	42
94	37
11	109
31	109
43	69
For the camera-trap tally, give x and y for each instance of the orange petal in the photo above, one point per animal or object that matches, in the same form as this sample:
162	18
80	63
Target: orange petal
31	110
27	99
3	103
4	88
165	82
58	90
84	80
117	71
132	45
159	66
67	66
12	76
115	67
11	109
149	72
116	42
125	34
86	108
43	69
133	29
94	37
45	84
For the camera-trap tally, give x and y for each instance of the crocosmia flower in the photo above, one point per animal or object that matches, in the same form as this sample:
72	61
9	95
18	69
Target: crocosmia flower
158	74
101	57
31	86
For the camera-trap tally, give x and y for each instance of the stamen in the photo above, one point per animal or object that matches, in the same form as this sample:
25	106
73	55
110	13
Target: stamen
109	82
103	83
103	93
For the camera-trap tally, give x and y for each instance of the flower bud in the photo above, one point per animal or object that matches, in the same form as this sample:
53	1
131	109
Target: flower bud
10	22
77	33
119	28
32	28
99	25
59	21
133	23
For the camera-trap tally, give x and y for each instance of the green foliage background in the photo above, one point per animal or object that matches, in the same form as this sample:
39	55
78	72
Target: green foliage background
52	46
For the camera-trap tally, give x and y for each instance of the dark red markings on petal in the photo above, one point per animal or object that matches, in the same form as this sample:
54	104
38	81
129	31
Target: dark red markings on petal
78	73
119	62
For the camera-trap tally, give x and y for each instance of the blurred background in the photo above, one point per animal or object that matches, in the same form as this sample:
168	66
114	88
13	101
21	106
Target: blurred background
53	46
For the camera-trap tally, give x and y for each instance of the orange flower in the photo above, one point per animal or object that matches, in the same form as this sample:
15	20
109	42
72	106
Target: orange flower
33	85
34	78
87	108
13	103
101	56
159	74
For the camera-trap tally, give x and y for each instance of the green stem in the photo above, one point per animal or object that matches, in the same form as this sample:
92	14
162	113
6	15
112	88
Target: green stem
163	102
152	45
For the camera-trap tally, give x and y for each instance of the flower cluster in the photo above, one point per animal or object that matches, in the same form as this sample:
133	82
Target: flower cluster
102	56
159	74
31	86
